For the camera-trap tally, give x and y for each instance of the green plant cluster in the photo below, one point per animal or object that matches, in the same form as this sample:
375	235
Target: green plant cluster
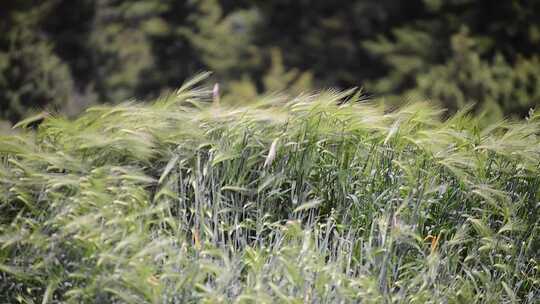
313	199
450	52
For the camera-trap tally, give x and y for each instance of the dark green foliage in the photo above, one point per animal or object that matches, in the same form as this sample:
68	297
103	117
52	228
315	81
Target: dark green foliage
113	50
324	36
461	52
31	75
197	35
496	86
106	43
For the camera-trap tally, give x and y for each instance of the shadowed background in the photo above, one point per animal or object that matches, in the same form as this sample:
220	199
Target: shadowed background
64	55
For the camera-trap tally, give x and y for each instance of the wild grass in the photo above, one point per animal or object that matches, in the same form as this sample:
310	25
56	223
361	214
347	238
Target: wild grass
313	199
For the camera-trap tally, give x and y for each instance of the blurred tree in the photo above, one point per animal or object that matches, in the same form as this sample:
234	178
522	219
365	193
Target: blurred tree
197	35
463	51
32	77
325	37
496	86
110	50
105	43
276	79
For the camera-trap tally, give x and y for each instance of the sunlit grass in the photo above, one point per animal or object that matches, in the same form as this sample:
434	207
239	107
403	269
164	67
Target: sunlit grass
307	199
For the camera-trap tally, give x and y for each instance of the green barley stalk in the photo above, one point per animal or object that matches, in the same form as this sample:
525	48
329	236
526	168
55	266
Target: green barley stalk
294	200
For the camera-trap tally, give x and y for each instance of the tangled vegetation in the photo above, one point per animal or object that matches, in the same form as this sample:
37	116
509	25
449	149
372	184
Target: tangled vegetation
318	199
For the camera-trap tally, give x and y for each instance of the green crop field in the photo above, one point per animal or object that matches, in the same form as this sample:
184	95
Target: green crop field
320	198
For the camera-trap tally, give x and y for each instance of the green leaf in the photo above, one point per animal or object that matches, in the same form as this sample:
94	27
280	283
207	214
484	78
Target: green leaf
170	165
25	122
309	205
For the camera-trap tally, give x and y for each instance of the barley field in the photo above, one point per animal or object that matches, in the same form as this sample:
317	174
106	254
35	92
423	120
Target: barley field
319	198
